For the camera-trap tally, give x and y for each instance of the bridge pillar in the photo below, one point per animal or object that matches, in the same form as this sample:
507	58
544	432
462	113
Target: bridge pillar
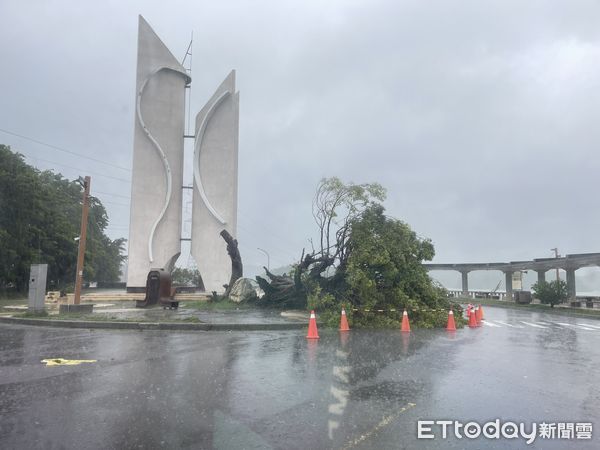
571	288
541	276
465	283
509	288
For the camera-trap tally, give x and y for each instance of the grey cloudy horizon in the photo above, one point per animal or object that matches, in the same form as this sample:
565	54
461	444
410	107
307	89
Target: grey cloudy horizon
479	118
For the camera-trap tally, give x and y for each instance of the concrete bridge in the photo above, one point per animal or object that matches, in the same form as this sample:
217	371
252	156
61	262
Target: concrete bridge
568	263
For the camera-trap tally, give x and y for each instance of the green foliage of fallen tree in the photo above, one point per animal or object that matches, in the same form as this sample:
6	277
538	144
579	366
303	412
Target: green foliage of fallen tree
365	260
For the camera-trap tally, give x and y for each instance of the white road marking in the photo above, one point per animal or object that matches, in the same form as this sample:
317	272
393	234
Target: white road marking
533	324
543	324
553	324
580	327
508	324
591	326
550	324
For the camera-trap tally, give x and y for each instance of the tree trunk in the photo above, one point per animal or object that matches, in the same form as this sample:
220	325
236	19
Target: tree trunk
290	292
237	268
281	291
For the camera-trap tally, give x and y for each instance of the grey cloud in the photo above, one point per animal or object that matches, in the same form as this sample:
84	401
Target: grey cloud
479	117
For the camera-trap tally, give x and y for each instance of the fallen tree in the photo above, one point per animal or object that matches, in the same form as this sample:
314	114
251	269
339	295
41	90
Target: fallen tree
363	259
237	268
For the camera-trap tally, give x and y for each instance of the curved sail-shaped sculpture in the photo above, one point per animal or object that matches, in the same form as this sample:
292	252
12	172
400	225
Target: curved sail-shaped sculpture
157	176
214	205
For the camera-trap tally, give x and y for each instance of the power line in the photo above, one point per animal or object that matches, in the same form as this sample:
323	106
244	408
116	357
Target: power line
78	169
288	254
60	149
113	203
114	195
243	216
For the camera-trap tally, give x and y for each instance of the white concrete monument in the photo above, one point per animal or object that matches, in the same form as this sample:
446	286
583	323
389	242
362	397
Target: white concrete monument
155	220
157	178
214	205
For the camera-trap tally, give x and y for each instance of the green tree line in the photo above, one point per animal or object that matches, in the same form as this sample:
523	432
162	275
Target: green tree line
40	214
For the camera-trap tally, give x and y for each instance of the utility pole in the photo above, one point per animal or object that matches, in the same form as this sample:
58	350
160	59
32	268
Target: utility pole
85	206
556	255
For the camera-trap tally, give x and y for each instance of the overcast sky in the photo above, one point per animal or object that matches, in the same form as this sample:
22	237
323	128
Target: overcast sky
481	118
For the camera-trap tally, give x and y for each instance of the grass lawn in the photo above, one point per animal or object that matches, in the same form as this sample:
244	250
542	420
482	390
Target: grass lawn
221	305
101	318
16	301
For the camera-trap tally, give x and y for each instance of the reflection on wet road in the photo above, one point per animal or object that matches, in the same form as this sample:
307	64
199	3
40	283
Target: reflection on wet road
364	389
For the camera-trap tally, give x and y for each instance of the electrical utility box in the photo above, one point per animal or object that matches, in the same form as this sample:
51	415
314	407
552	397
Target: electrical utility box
37	287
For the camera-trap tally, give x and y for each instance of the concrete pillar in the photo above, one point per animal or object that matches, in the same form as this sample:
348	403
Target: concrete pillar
541	276
465	283
571	288
509	288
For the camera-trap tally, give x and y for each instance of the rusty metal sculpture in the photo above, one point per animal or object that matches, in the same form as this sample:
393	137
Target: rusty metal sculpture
159	289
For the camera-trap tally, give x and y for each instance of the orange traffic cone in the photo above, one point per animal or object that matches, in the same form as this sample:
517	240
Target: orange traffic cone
405	342
481	312
312	327
477	316
405	324
343	339
472	320
344	321
451	325
469	311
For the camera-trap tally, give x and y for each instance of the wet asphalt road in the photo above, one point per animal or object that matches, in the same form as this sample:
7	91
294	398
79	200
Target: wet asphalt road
275	389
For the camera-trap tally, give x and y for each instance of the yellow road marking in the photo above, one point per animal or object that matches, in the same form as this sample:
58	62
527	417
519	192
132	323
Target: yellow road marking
66	362
383	423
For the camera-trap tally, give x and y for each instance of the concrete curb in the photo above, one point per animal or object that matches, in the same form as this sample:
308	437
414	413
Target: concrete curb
171	326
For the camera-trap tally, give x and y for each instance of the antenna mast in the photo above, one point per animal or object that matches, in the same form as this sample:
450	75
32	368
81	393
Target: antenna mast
188	69
188	58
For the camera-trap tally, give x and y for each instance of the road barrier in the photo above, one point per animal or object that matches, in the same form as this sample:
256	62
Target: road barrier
397	310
